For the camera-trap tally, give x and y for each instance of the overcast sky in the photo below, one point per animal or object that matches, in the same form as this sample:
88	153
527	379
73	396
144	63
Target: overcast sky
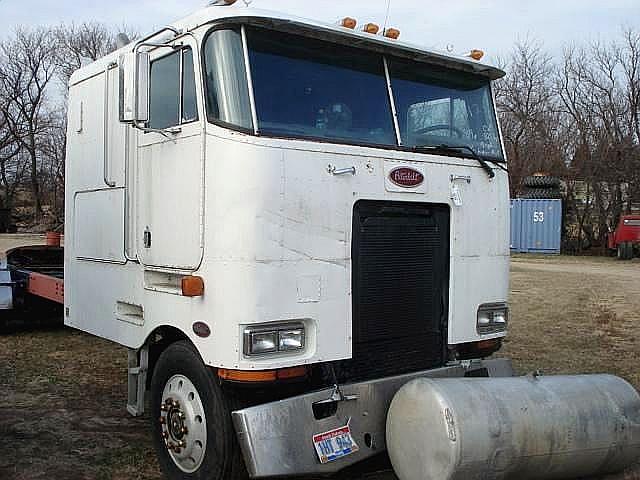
492	25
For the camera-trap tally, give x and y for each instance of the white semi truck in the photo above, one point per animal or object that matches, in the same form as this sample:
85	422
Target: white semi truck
285	222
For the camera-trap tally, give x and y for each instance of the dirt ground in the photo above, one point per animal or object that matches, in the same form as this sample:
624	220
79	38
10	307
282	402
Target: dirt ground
8	242
63	393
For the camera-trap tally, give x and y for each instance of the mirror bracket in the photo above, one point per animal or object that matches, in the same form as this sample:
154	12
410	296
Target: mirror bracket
135	69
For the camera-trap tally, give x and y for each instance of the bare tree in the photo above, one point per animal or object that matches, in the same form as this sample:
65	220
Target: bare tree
578	119
629	59
88	41
27	68
53	153
528	112
598	89
12	164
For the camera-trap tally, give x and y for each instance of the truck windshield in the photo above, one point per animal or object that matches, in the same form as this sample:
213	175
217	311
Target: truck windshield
308	88
438	107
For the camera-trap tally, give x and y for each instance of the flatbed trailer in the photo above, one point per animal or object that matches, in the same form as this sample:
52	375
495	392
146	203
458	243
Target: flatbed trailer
32	276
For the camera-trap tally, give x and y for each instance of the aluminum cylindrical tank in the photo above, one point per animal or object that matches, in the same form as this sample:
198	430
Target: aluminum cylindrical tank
554	427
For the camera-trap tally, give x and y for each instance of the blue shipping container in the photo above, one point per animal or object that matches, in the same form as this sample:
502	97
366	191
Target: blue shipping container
536	226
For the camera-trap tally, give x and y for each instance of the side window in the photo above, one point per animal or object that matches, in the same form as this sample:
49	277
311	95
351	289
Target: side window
226	79
189	99
172	90
164	92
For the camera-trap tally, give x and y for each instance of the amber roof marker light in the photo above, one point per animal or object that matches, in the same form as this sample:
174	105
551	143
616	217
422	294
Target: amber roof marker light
371	28
475	54
392	33
348	22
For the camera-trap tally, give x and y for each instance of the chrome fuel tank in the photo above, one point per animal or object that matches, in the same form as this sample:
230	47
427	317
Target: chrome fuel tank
522	427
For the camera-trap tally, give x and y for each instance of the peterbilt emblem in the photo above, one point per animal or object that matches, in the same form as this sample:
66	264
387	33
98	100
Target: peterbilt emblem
406	177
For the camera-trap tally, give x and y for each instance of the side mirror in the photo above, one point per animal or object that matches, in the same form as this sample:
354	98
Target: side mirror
134	87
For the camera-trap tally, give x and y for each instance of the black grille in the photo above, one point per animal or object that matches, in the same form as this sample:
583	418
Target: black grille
400	254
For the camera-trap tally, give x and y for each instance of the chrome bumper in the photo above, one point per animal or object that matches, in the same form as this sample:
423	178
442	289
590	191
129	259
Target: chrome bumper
276	438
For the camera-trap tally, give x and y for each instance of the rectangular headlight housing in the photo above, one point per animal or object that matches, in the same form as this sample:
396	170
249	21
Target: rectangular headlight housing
284	337
492	318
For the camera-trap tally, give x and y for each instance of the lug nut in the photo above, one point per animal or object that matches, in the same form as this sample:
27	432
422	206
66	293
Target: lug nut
185	431
163	408
163	420
165	435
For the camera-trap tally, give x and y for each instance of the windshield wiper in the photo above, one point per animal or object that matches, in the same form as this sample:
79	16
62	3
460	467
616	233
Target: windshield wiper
456	148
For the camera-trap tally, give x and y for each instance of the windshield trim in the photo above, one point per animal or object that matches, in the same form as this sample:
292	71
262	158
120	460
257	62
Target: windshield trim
308	32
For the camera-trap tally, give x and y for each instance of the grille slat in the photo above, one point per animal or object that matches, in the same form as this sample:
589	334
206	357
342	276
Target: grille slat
400	255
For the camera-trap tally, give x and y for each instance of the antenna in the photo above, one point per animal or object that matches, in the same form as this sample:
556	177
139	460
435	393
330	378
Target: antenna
386	18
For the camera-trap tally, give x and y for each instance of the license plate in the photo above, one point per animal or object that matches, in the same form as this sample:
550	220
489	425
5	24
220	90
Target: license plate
333	445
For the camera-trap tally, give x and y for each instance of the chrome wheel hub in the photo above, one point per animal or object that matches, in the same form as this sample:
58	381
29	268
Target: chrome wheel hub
183	423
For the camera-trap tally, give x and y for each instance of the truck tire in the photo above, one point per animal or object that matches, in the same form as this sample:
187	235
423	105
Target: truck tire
191	421
629	252
541	193
625	251
541	182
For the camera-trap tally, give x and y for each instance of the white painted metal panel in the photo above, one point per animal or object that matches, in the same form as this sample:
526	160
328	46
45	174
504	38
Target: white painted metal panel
6	291
169	199
98	230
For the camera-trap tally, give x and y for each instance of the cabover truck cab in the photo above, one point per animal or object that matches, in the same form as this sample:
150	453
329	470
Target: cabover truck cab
626	237
284	222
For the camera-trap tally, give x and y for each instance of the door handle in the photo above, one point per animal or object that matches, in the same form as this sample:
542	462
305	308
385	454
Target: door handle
340	171
146	238
463	178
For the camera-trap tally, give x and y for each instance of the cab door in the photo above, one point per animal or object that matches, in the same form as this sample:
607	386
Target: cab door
170	164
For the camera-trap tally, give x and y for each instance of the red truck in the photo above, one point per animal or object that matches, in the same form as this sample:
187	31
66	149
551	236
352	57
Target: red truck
625	237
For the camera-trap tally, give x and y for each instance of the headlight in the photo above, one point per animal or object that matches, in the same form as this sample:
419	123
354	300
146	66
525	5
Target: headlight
291	339
492	318
274	338
263	342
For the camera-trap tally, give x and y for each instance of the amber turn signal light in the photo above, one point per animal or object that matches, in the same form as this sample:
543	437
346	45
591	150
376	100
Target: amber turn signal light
371	28
192	286
248	376
476	54
392	33
349	22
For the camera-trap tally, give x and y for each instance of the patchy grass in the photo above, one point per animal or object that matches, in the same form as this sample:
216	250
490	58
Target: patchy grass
575	317
62	410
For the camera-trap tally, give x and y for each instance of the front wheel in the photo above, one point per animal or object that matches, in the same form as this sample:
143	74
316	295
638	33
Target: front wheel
191	419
